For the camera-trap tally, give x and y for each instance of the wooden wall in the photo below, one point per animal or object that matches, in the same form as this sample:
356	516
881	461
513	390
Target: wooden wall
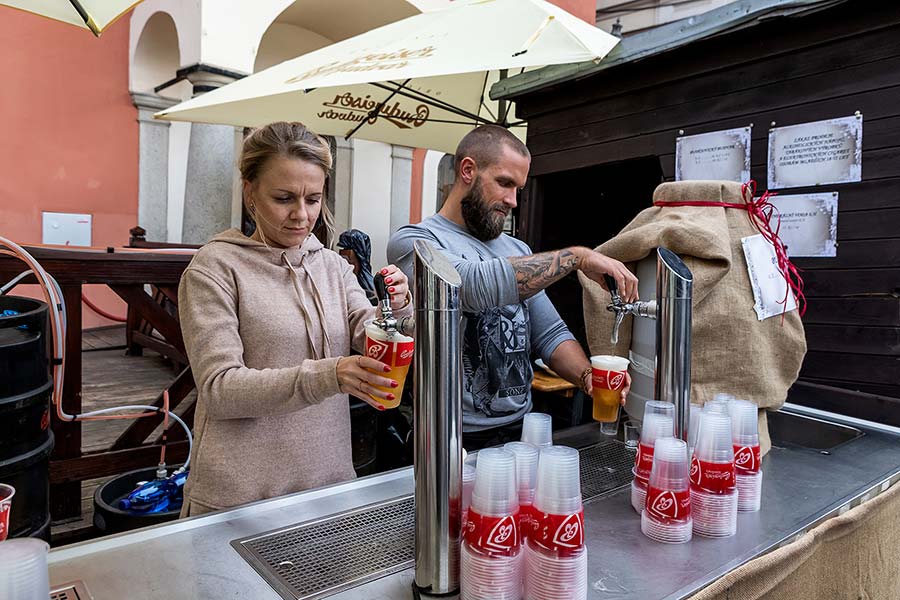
789	70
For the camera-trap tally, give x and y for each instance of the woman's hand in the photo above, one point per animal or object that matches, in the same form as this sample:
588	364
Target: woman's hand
397	286
356	375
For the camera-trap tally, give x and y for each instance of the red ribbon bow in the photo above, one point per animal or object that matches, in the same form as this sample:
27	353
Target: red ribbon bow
760	212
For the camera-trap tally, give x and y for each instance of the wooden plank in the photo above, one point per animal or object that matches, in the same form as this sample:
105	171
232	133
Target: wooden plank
853	311
862	253
84	266
159	346
851	367
138	431
880	409
852	338
106	464
730	51
153	313
870	224
65	500
852	282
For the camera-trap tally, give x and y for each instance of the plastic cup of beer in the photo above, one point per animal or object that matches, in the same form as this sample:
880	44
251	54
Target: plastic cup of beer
608	378
396	351
6	495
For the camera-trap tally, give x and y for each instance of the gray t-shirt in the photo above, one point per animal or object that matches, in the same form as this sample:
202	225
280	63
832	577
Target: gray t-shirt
500	332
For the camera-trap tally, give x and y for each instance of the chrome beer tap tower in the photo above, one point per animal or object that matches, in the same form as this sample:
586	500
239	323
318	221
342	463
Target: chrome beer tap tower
672	311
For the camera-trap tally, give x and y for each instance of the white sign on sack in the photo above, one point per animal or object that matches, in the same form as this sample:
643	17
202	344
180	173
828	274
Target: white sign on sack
817	153
769	285
719	155
808	223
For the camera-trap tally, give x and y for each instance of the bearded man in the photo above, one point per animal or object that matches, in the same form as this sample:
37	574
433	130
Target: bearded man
507	317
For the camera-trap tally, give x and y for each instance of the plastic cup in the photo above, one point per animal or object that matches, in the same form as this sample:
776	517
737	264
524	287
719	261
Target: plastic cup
558	489
749	488
657	424
495	493
549	576
693	427
396	351
608	376
667	514
714	497
719	404
745	436
537	429
6	495
23	569
490	577
468	485
526	469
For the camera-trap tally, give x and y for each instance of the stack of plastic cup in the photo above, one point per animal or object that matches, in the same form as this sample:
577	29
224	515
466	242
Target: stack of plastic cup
23	569
745	440
537	429
658	423
719	404
693	427
667	514
491	557
714	496
526	480
468	485
555	555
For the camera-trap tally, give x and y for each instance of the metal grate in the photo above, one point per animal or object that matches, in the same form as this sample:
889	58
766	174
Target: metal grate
605	467
70	591
320	558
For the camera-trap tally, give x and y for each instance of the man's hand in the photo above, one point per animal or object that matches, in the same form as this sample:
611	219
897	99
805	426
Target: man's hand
595	265
587	386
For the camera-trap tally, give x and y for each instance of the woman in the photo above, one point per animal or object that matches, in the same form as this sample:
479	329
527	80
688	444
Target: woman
269	322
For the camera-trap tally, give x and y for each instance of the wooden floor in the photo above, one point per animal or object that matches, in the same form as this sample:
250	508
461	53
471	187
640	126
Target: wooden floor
111	378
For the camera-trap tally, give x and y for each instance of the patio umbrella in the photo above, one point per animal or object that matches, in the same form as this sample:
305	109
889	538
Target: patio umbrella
423	81
95	15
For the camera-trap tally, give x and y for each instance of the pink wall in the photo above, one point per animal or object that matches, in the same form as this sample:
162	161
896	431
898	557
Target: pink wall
70	134
585	10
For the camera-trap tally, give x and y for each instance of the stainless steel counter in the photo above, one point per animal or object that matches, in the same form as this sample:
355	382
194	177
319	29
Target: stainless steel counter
194	558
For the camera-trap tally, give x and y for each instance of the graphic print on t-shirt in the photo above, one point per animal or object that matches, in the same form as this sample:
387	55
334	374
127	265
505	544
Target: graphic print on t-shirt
496	365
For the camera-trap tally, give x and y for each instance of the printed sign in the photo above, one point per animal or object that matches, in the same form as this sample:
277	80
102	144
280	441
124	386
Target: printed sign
769	286
808	223
720	155
817	153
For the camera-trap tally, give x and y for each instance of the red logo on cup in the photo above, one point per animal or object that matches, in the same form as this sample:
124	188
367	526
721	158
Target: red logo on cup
608	380
376	349
643	462
559	533
746	458
716	478
4	520
666	505
494	535
695	470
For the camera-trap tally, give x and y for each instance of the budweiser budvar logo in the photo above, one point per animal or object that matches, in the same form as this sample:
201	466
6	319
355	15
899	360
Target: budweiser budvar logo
395	354
608	380
666	505
348	107
375	349
498	535
716	478
379	61
747	458
643	462
559	533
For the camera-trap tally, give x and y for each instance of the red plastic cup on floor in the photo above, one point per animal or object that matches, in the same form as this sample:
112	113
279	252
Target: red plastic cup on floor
6	495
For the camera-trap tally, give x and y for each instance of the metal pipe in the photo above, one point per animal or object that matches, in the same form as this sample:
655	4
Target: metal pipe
437	422
674	290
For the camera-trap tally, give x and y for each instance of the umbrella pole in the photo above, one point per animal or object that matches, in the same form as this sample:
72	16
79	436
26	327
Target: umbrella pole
86	17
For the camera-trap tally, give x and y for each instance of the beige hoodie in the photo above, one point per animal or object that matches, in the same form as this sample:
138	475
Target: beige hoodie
264	329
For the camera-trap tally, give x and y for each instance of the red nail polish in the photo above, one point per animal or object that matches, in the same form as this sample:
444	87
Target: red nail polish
384	271
388	280
381	408
387	369
391	397
391	290
394	384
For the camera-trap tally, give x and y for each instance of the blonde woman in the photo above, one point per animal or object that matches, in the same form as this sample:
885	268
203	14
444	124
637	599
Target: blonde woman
269	322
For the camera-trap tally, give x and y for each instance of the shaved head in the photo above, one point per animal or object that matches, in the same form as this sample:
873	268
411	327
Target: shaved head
484	145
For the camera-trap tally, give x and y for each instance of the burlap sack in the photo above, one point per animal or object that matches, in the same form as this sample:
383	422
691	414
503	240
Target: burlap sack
733	351
852	556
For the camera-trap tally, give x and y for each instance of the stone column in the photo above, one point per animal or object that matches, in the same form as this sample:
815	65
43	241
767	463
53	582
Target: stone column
343	184
208	196
153	165
401	184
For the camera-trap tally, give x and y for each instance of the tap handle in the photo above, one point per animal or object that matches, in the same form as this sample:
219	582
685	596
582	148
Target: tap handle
380	287
611	284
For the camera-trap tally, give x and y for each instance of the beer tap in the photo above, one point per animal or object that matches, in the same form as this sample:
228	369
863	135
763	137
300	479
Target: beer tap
622	308
387	321
673	314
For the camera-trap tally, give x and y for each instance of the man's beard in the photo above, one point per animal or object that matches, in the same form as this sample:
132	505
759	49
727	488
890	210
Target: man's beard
479	216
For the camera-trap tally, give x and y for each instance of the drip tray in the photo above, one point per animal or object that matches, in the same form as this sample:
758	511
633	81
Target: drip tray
320	558
70	591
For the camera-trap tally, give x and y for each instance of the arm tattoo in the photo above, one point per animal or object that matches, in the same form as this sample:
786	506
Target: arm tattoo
536	272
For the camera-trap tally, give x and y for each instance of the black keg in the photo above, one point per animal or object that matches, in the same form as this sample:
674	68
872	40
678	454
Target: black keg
25	437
